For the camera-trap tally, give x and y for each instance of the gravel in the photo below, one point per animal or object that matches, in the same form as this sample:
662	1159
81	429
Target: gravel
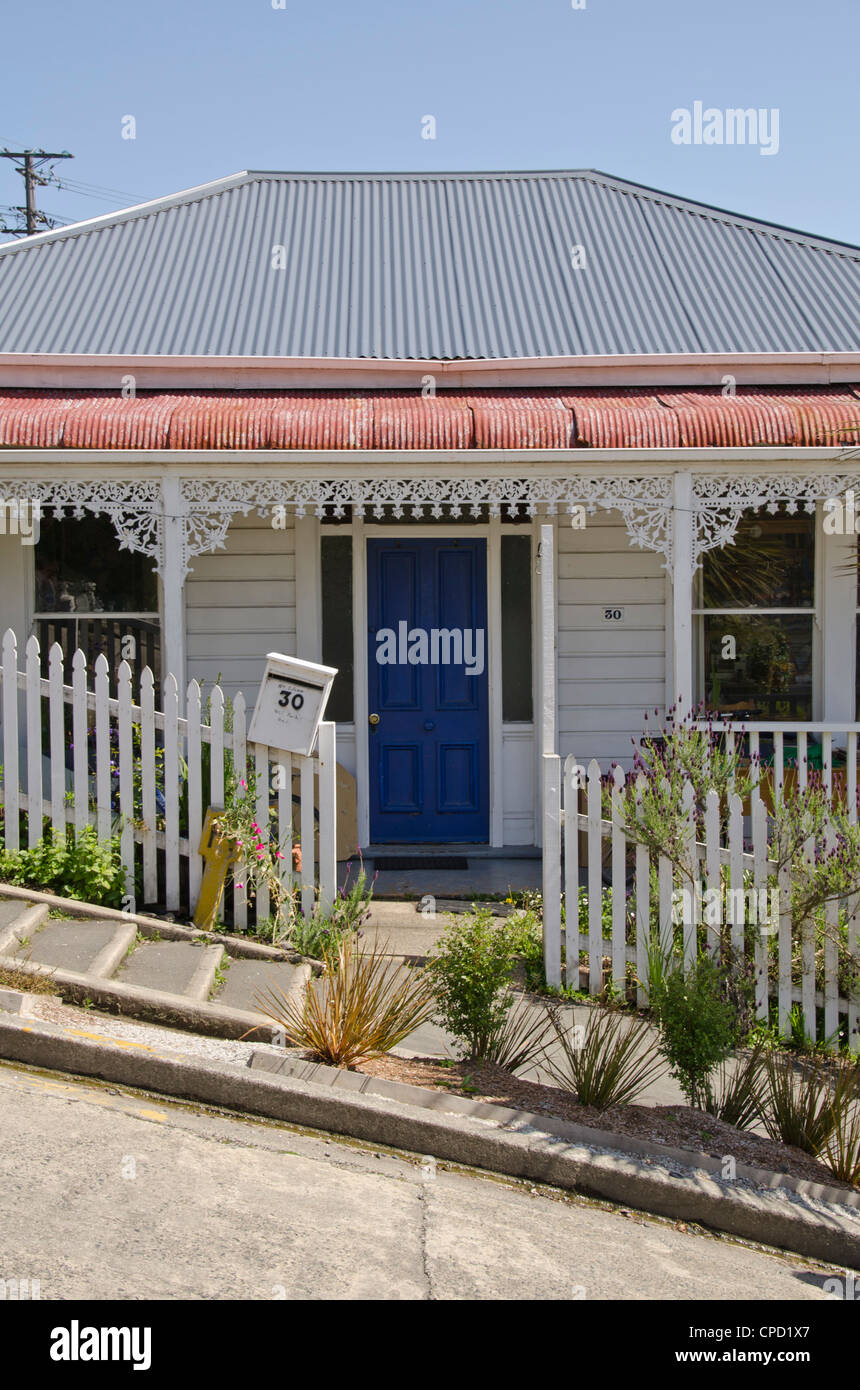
151	1035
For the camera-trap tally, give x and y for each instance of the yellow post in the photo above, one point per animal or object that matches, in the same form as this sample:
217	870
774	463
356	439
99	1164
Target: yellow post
218	854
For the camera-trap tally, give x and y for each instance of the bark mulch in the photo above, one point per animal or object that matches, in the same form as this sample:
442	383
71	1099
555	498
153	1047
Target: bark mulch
676	1125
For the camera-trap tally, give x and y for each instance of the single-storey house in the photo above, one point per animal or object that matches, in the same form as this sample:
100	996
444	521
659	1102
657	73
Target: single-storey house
328	414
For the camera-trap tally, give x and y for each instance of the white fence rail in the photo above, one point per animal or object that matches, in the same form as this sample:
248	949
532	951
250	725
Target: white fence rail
149	775
600	858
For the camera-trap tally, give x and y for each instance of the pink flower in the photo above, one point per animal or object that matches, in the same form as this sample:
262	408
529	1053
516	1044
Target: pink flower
278	854
243	783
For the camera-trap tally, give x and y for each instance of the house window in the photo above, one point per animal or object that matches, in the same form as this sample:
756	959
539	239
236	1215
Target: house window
755	619
93	596
516	628
337	640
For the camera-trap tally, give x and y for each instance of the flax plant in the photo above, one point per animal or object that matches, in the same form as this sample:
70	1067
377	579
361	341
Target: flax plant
609	1062
362	1005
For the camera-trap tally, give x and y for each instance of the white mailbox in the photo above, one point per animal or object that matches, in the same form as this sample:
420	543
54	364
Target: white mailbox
290	704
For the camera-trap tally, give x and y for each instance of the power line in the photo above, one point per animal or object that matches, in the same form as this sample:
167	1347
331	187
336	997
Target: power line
33	160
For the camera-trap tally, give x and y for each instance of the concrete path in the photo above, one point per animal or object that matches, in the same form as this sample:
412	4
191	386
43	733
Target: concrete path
113	1195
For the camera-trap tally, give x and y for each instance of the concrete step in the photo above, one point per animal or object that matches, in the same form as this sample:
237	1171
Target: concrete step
19	918
178	967
89	947
247	978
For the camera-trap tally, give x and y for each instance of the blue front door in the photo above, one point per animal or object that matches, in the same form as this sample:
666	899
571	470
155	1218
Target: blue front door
428	690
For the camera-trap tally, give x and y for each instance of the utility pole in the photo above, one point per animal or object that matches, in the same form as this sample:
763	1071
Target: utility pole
33	160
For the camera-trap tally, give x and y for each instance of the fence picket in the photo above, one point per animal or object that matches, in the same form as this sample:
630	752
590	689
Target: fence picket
240	767
80	728
171	793
573	775
326	772
194	760
736	872
595	881
103	758
126	776
261	772
713	880
147	785
643	905
762	928
551	880
689	880
851	777
827	762
56	723
619	884
854	985
306	813
831	951
807	960
778	765
11	790
784	949
285	819
664	899
34	744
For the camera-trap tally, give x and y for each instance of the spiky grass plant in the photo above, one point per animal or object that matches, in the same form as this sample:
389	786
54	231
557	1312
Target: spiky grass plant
362	1005
734	1095
519	1037
608	1061
798	1101
841	1150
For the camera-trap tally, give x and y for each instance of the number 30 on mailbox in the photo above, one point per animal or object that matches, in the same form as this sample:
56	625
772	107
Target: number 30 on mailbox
290	704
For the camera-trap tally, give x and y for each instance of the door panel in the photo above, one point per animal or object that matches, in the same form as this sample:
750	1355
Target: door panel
427	677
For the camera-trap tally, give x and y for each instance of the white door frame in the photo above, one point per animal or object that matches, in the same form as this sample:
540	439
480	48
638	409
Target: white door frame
362	531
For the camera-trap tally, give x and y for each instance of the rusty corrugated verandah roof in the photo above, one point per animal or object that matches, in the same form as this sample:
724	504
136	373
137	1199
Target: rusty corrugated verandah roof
567	418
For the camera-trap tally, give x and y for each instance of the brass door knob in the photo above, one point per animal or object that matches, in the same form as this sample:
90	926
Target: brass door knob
373	720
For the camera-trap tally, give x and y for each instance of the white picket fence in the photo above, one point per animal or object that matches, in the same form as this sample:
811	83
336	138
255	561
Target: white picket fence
99	786
721	862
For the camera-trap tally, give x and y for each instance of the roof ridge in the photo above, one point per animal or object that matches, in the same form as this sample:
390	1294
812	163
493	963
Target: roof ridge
627	187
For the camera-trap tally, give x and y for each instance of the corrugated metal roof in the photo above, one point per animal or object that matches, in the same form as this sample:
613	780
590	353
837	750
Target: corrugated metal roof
427	266
503	419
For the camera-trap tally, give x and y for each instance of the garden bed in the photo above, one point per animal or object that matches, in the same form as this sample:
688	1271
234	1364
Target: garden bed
677	1126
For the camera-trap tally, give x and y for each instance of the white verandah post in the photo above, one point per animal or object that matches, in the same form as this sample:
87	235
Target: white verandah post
551	765
683	569
173	583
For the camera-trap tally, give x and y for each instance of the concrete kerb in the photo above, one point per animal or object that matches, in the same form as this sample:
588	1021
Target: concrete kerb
291	1064
537	1156
152	926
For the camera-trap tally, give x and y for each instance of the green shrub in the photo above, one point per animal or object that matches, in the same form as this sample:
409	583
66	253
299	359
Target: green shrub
698	1024
471	971
74	865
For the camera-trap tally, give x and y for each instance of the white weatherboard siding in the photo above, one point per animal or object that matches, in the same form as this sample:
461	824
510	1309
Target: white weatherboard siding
240	603
609	673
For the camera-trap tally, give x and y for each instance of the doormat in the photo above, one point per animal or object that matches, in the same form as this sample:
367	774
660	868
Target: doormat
439	862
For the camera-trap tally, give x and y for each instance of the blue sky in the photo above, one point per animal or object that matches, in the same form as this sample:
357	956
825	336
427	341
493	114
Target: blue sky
216	86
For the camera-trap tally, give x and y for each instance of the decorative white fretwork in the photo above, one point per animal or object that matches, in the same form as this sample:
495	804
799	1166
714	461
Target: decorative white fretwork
133	505
645	503
720	499
208	505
